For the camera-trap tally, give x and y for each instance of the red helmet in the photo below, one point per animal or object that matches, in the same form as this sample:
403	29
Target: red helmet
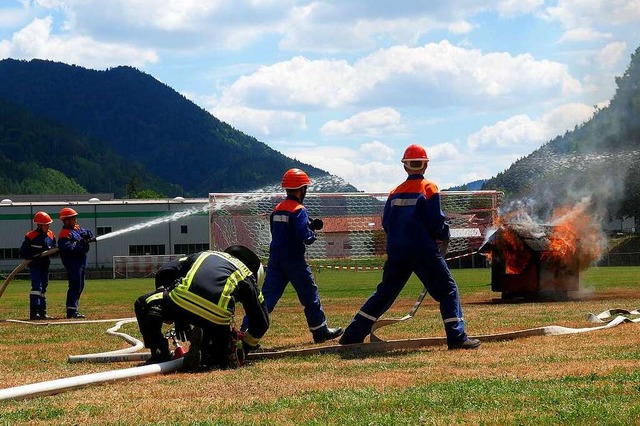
42	218
67	212
294	179
414	153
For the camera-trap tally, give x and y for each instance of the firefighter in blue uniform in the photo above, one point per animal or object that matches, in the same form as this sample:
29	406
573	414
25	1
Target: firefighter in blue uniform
417	235
198	293
35	243
73	242
291	231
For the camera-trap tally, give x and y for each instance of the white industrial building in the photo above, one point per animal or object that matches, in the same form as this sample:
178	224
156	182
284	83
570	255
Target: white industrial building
166	226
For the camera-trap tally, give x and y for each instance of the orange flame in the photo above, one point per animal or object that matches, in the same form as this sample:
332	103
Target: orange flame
516	257
576	236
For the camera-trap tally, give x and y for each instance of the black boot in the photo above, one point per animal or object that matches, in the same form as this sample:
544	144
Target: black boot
468	343
325	333
43	314
34	314
193	357
74	314
158	355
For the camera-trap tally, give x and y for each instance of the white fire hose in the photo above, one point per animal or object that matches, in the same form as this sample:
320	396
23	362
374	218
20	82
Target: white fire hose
131	354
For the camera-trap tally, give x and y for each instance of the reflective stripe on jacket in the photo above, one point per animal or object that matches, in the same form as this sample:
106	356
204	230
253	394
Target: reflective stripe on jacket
413	219
290	230
209	287
36	242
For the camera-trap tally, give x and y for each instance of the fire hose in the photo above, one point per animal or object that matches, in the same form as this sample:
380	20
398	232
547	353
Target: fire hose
23	265
26	263
60	385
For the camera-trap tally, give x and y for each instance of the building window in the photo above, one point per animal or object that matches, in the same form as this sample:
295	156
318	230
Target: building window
184	229
143	250
10	253
102	230
190	248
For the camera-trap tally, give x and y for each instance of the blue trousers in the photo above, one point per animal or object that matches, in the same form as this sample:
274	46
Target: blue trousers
75	276
434	274
39	283
298	273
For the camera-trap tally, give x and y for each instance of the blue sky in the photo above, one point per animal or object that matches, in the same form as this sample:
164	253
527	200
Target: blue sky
347	85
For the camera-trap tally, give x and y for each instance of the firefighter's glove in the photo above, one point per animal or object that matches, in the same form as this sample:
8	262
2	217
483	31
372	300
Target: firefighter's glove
86	234
182	330
316	224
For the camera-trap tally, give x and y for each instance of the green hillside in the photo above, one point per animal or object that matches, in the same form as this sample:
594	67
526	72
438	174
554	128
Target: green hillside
600	158
146	122
41	157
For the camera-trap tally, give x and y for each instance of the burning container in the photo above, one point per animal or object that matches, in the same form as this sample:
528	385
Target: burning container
533	261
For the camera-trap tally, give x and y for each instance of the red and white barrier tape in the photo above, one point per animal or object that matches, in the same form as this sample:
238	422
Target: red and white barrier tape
370	268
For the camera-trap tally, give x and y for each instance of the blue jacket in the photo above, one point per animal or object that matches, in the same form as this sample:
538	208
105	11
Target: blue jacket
36	242
413	219
73	245
290	231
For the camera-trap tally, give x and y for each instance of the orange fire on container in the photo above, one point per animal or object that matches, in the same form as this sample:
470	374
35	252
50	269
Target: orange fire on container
577	235
516	257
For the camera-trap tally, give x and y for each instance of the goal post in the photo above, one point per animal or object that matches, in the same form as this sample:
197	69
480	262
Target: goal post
352	221
140	266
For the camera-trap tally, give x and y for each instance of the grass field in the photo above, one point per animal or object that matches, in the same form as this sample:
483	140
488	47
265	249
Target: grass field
586	379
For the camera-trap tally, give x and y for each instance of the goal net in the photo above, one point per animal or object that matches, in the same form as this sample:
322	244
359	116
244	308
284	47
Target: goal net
352	221
140	266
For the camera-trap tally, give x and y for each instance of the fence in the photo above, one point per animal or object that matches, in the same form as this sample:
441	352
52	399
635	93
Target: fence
140	266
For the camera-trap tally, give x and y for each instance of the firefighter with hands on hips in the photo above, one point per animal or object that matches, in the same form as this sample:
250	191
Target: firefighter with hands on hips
35	243
198	294
417	235
73	242
292	230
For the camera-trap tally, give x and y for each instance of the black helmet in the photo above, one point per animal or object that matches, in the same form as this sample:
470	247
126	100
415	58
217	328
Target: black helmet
248	257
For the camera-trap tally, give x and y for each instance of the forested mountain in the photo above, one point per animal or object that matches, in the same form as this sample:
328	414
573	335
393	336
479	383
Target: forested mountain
600	158
42	157
124	122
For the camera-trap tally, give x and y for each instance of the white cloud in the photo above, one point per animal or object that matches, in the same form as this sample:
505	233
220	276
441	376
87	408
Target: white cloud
37	41
261	123
583	34
522	130
460	27
442	151
174	24
610	55
515	7
433	75
590	14
365	174
373	122
11	17
377	151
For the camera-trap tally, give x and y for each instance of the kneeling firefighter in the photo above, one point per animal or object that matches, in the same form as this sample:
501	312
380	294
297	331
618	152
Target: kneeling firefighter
201	304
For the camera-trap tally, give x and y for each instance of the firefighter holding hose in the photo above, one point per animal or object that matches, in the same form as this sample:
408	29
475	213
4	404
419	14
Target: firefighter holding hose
73	242
417	235
291	231
35	243
201	303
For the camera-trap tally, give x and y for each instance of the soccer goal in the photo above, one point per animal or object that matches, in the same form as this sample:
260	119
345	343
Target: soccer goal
140	266
352	221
